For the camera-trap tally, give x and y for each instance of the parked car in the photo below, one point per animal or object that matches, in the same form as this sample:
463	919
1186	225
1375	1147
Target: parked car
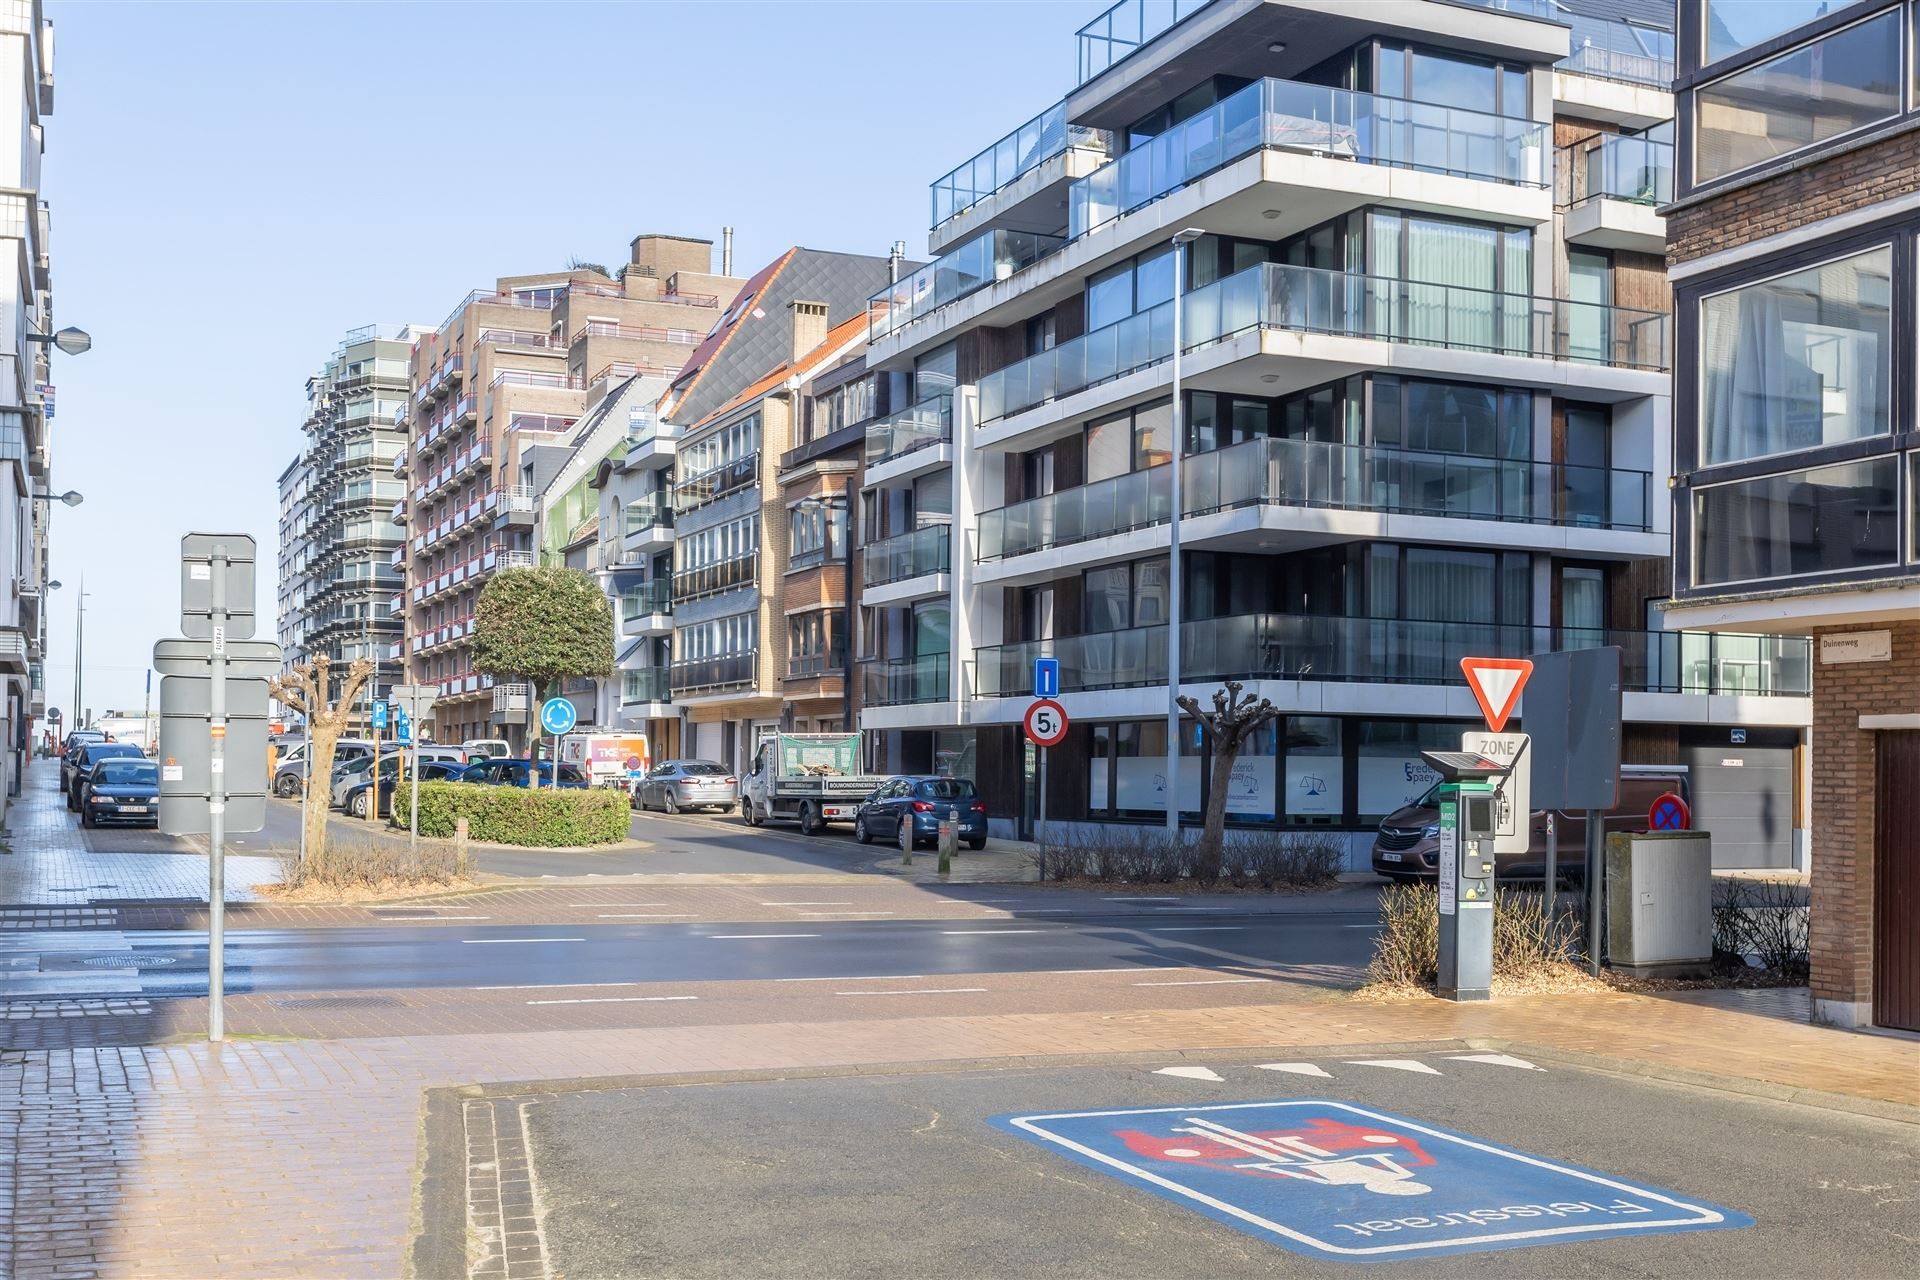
90	755
359	769
922	800
290	775
514	772
677	785
1408	844
122	789
487	748
359	797
69	750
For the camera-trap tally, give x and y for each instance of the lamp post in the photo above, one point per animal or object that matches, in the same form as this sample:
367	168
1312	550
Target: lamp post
72	341
1181	239
79	654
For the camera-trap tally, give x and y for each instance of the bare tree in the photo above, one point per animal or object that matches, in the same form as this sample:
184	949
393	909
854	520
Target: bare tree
1231	722
305	688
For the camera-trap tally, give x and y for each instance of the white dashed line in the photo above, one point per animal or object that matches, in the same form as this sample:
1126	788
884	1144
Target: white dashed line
926	991
1166	899
1196	928
871	977
646	915
615	1000
551	986
405	918
1201	982
806	904
741	937
477	942
979	933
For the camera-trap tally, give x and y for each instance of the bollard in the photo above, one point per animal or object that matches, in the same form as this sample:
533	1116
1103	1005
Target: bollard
906	840
949	839
460	842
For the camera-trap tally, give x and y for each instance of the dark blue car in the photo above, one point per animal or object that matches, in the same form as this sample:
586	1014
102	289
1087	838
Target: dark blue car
510	771
359	797
89	756
121	789
922	800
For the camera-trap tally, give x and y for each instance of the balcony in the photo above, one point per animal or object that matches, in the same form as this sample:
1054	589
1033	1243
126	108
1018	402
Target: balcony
1307	647
706	675
722	575
990	256
899	682
714	483
638	688
648	524
1303	474
1627	52
1611	192
1024	150
1309	300
651	445
1125	27
907	567
647	609
517	506
398	515
907	444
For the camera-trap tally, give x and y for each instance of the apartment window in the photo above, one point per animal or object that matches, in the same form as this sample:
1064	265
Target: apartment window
1797	362
1220	421
716	638
1127	770
1040	334
1116	597
1733	25
1452	417
1585	481
1449	80
1841	82
1314	780
936	373
1140	284
843	406
1132	440
816	642
817	533
1825	520
732	540
1590	290
1457	277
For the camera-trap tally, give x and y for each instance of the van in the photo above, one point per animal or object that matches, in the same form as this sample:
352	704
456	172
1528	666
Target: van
1407	847
608	759
479	749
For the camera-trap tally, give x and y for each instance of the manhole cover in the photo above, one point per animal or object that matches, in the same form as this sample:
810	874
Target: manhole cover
339	1002
128	962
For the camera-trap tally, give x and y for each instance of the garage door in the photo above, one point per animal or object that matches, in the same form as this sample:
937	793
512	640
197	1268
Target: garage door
1744	796
1896	897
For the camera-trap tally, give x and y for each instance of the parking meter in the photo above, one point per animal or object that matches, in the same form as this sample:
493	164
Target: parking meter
1468	826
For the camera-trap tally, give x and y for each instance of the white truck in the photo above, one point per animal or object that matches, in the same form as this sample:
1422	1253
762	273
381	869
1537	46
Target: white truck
809	778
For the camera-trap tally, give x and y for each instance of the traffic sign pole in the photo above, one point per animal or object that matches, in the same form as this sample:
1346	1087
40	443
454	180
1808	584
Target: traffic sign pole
217	808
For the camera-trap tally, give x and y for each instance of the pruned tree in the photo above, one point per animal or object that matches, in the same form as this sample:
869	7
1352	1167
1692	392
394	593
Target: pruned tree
542	625
307	689
1231	722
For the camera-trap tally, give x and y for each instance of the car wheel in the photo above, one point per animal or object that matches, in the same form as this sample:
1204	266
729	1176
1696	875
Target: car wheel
359	805
977	845
86	819
73	805
673	806
287	787
860	829
751	812
810	822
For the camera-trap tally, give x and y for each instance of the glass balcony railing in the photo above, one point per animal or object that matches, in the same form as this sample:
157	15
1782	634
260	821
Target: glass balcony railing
928	423
1307	299
1610	50
1362	127
989	256
902	681
1125	27
1276	646
715	482
648	598
650	685
1025	148
1623	167
722	575
1307	473
907	555
650	512
698	674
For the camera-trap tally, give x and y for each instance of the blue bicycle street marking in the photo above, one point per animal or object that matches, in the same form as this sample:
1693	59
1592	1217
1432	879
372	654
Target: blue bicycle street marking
1334	1180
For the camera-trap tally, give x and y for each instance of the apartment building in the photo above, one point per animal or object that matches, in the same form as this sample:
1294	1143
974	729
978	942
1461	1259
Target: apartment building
1424	411
26	381
337	580
1792	234
514	367
635	489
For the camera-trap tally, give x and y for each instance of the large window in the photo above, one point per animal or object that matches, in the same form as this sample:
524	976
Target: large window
1119	596
1733	25
817	532
1841	82
1315	772
1127	771
1452	417
716	638
1392	773
1826	520
1132	287
1797	362
1131	440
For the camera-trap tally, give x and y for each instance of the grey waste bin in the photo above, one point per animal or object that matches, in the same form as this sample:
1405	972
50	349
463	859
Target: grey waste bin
1660	902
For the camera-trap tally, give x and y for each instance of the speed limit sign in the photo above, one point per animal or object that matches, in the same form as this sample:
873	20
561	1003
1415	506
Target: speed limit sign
1046	723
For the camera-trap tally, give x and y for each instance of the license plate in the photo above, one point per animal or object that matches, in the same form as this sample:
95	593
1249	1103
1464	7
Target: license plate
131	808
1390	857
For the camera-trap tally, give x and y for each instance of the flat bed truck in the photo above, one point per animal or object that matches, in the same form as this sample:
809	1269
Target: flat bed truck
808	778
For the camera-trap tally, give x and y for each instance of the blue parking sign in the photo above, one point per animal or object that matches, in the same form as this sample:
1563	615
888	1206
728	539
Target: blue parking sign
379	715
1342	1182
402	725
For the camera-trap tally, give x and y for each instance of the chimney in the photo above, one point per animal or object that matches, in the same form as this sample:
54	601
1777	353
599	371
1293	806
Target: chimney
897	256
809	327
726	251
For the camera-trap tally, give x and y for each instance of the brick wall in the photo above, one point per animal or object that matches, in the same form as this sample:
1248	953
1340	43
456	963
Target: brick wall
1842	814
1834	186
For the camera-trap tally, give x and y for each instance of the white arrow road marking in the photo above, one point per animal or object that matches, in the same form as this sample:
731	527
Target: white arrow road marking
1295	1068
1191	1073
1395	1064
1495	1059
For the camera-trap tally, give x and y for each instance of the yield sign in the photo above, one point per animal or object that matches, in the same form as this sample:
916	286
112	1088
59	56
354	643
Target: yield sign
1496	685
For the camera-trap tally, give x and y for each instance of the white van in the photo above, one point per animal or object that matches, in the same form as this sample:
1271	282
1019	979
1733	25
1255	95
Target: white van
607	759
479	749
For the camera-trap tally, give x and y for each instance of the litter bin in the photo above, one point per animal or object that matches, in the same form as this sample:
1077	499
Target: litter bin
1659	902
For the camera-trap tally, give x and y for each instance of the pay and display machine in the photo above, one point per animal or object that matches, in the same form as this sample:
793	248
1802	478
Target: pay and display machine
1468	827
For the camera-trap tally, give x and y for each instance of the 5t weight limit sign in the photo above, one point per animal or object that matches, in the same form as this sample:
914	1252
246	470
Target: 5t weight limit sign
1046	723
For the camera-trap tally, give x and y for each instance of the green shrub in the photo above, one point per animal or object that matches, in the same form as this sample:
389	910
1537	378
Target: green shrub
547	818
1406	951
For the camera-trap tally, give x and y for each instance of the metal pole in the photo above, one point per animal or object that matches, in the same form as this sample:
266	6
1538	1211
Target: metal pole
413	793
1040	826
217	806
1553	863
846	646
373	808
79	720
1173	561
1596	873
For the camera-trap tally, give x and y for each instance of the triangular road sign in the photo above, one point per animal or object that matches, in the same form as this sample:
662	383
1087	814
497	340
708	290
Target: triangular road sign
1496	685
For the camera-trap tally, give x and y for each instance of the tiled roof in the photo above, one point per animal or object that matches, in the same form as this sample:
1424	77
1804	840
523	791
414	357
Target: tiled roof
834	344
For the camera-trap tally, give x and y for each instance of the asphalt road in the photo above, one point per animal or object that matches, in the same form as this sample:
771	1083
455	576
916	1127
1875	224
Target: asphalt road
890	1176
473	954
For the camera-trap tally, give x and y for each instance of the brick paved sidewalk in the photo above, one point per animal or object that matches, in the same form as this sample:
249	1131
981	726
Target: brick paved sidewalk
299	1158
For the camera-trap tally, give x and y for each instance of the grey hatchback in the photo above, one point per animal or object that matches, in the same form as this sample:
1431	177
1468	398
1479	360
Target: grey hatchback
678	785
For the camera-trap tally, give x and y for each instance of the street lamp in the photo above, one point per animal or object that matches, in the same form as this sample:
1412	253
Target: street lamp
1181	239
825	504
72	341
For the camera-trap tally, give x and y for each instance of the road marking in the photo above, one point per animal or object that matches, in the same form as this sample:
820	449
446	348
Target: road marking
1127	968
388	917
646	915
974	933
798	904
1165	899
614	1000
1495	1059
1395	1064
1296	1068
846	913
871	977
924	991
1192	1073
584	905
1196	928
742	936
420	907
1201	982
476	942
1213	910
550	986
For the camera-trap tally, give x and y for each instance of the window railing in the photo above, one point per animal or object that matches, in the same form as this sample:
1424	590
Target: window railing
715	482
712	673
647	599
1307	473
1340	123
650	685
989	256
1622	167
907	555
929	422
1277	646
1125	27
899	682
651	512
1027	147
721	575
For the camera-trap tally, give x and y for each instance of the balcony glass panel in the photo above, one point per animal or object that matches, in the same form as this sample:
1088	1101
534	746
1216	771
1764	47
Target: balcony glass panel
990	256
652	511
645	686
1623	167
1125	27
647	598
907	555
903	681
928	423
1032	144
709	673
722	575
1094	510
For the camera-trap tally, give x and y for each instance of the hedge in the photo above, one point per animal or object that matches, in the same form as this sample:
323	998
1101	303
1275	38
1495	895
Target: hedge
546	818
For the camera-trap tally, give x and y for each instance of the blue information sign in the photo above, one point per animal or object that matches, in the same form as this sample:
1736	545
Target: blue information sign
1337	1181
557	715
379	715
402	725
1046	677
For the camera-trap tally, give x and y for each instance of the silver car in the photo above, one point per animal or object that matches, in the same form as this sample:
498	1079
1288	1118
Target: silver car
350	773
680	785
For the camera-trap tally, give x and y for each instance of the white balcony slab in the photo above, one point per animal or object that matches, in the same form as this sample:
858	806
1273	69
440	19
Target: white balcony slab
1031	202
1631	106
648	539
647	624
901	471
925	586
1605	223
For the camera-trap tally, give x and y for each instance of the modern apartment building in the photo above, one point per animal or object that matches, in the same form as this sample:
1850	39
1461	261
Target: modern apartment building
515	366
26	382
337	582
1424	411
1793	234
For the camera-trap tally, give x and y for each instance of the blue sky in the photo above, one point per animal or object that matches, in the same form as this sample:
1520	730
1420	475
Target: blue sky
235	185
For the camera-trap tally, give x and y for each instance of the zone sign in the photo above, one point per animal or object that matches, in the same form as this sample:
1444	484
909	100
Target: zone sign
1046	723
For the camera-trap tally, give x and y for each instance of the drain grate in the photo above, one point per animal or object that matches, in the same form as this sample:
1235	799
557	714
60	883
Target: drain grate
128	961
339	1002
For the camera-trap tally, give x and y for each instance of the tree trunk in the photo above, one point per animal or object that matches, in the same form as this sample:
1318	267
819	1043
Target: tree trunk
1209	853
322	737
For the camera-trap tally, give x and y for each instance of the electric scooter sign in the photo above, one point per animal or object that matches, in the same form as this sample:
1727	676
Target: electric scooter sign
1337	1181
